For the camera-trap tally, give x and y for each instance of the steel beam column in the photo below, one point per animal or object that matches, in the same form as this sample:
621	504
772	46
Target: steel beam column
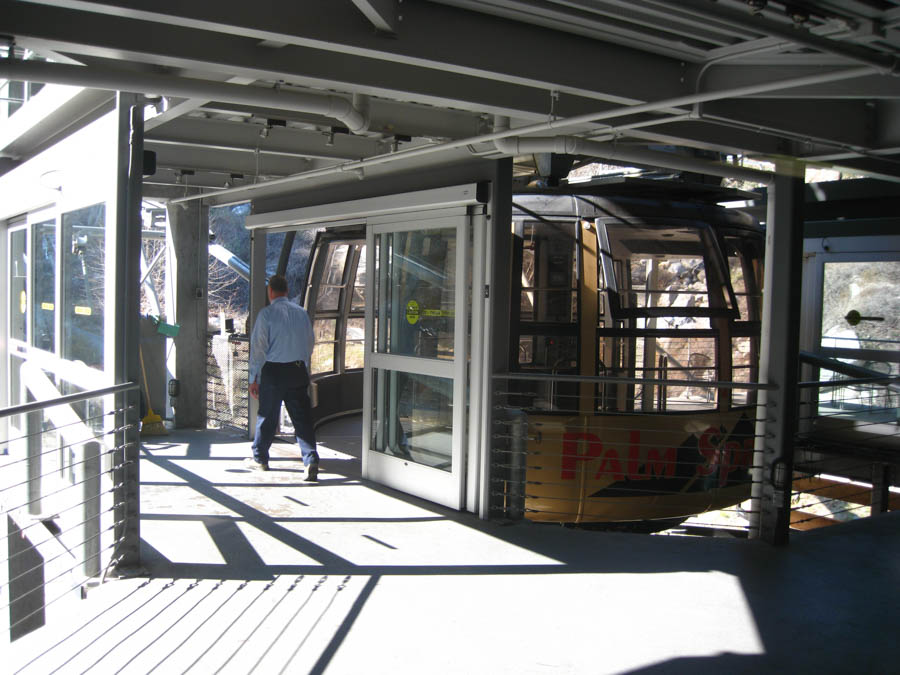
779	359
881	486
126	474
257	302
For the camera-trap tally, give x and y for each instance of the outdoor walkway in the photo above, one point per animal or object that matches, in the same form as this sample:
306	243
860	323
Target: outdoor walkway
263	573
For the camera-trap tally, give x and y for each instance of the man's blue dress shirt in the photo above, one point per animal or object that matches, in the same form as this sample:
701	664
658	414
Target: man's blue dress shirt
282	333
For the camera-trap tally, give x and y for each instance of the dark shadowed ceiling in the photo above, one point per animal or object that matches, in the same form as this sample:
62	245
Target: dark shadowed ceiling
811	80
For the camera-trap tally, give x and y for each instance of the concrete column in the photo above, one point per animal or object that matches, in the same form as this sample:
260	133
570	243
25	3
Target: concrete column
187	269
779	359
257	302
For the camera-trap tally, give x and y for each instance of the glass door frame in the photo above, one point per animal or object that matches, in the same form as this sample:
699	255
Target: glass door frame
443	487
15	347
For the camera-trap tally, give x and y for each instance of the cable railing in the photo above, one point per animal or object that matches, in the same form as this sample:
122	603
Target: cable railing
68	496
848	443
602	452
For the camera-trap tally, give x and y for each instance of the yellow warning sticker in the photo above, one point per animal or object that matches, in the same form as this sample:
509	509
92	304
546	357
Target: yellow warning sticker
48	306
412	312
23	302
84	311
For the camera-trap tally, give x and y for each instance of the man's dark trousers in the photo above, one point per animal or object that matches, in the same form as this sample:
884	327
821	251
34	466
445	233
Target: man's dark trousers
287	382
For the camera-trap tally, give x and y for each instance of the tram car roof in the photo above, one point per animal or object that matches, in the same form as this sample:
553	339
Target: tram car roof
639	199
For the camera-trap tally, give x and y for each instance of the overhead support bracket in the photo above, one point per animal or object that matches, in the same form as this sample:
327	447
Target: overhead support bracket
382	14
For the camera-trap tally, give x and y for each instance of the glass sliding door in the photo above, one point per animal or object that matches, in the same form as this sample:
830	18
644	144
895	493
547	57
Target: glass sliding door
415	387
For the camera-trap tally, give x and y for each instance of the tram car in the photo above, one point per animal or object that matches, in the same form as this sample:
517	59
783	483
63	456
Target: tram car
653	292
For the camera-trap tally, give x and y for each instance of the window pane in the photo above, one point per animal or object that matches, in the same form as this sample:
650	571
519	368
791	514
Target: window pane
44	309
548	273
417	421
323	352
333	278
417	287
18	285
358	303
84	277
662	268
354	343
861	305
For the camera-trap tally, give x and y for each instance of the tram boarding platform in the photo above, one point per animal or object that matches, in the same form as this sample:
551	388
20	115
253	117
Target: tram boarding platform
262	572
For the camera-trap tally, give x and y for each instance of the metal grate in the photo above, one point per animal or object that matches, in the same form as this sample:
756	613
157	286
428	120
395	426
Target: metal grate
226	373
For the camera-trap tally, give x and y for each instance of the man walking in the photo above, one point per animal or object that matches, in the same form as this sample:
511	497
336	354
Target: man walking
280	347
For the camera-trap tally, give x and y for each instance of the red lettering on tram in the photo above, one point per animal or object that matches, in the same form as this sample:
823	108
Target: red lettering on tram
590	445
661	465
610	467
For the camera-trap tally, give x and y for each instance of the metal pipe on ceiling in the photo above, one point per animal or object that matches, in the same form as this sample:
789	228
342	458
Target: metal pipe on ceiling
618	153
97	77
354	167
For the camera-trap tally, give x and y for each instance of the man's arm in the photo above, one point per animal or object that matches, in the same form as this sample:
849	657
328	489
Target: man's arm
259	344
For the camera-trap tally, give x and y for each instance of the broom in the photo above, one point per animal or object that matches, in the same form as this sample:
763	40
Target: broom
152	424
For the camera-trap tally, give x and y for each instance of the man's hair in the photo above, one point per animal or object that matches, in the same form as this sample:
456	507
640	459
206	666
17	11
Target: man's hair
278	283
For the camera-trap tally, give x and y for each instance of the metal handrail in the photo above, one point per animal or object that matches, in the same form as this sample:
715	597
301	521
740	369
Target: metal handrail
755	386
70	398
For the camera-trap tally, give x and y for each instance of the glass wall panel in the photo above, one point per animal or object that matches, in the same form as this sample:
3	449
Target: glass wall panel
417	419
44	308
83	277
18	285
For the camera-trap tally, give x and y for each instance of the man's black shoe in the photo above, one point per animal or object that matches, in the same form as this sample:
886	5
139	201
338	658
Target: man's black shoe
312	473
253	465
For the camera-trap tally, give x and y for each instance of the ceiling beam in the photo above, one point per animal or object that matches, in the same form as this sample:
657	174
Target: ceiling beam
842	123
423	43
246	137
224	161
725	76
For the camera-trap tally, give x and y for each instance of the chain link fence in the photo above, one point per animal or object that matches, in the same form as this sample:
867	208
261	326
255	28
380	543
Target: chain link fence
227	358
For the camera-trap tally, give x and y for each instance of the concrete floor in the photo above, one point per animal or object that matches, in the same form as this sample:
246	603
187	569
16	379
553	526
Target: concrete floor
261	572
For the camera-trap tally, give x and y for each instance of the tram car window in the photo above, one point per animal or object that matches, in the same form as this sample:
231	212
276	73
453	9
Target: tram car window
336	296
